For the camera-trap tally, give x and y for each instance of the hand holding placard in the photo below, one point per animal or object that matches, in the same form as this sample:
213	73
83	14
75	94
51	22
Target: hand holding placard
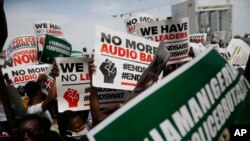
72	97
108	70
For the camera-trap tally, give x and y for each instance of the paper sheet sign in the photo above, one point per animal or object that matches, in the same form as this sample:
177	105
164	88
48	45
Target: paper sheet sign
73	86
137	18
22	51
175	33
120	58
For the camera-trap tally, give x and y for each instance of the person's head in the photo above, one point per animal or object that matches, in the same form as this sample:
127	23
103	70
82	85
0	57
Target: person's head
32	127
32	88
71	124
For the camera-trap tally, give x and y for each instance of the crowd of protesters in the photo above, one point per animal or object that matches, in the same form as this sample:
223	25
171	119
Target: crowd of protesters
38	121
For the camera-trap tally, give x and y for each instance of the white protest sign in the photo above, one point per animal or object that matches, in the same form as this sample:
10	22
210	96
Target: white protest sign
46	84
107	97
46	27
73	86
137	18
23	74
120	58
151	74
219	35
224	53
72	80
197	48
215	46
239	52
22	51
173	32
198	38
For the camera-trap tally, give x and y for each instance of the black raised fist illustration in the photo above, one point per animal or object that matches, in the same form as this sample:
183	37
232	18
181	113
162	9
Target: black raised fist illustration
108	70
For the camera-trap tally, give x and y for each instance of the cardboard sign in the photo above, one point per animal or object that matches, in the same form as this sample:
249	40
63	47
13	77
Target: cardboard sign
46	27
23	74
151	74
22	51
73	86
239	52
55	47
120	58
137	18
198	38
199	110
173	32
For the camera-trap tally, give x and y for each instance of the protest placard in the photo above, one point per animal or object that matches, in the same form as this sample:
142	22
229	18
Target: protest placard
23	74
173	32
201	109
46	27
197	48
46	84
151	74
219	35
72	80
120	58
198	38
239	52
22	51
137	18
73	86
55	47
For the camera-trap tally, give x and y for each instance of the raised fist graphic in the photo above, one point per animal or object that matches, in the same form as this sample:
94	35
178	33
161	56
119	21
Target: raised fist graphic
72	97
108	70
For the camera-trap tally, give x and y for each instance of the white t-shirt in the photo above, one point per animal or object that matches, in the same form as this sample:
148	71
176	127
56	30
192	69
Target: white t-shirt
37	109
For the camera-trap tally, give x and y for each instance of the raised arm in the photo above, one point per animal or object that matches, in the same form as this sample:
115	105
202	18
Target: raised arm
98	114
94	101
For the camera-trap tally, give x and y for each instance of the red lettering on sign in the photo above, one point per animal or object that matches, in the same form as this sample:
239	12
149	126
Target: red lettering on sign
118	51
24	59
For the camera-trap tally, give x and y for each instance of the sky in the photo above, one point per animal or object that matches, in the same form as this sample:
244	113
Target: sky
79	17
76	17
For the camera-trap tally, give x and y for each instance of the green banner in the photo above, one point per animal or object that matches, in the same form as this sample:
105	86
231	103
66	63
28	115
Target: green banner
197	102
55	47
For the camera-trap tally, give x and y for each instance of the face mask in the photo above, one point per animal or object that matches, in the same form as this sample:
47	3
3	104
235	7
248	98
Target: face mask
78	135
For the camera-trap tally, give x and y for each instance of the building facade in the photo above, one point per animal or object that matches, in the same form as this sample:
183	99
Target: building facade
215	19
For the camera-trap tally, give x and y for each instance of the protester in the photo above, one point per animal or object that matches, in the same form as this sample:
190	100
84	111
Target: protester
36	128
16	104
73	126
40	103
